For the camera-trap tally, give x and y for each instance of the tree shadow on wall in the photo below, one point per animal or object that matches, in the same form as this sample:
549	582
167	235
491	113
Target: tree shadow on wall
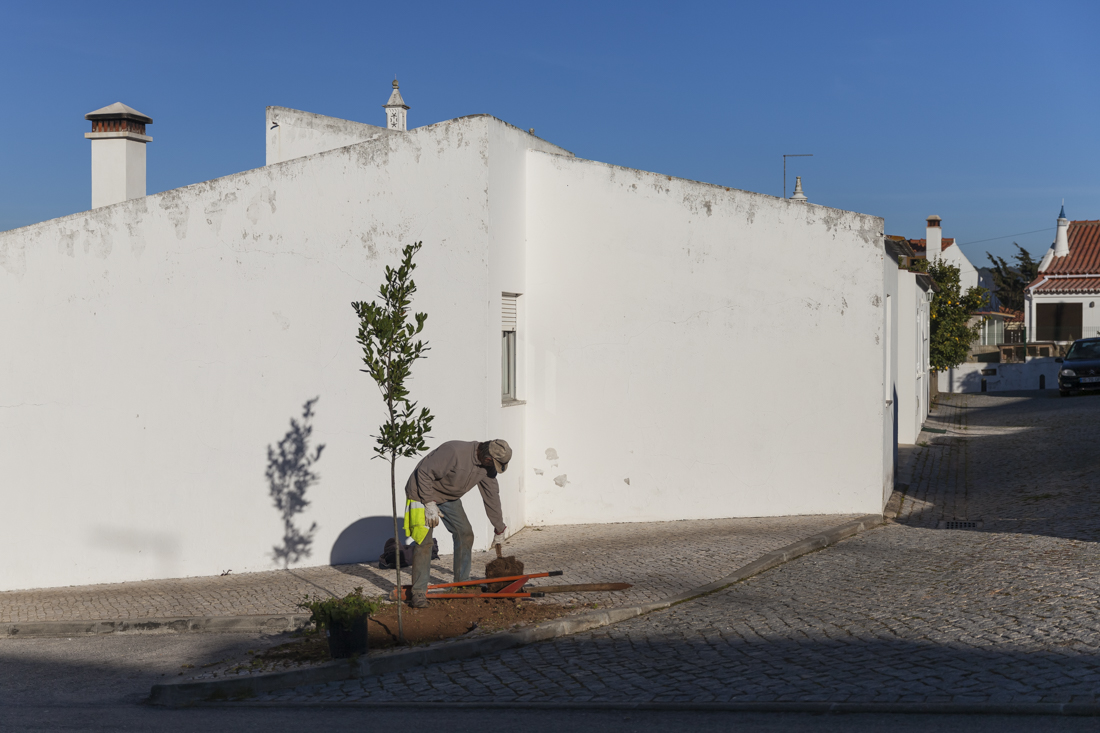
289	475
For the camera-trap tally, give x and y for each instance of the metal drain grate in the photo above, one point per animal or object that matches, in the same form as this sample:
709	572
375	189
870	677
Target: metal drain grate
961	524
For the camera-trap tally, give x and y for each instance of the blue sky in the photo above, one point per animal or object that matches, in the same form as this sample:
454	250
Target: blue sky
986	114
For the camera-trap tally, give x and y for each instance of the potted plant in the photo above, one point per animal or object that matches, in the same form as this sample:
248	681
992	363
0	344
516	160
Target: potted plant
344	621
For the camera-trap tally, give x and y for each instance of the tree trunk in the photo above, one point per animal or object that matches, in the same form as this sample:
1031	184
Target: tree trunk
397	549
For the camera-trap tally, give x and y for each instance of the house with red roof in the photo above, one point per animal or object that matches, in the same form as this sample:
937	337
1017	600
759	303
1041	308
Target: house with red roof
1061	302
936	246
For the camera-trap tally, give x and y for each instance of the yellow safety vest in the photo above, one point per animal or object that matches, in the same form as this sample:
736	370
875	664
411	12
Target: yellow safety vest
415	526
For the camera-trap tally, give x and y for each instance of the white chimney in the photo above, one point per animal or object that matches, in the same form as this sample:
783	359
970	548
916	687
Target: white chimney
396	110
798	195
118	154
1061	239
933	238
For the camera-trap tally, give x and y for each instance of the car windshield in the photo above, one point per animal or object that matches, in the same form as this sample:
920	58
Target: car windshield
1084	350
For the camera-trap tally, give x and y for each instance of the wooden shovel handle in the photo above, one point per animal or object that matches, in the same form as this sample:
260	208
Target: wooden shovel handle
579	587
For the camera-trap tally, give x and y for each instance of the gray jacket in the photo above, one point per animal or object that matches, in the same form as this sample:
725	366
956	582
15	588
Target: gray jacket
451	470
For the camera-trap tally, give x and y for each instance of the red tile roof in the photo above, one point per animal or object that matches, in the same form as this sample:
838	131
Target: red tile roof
920	245
1083	259
1084	251
1066	285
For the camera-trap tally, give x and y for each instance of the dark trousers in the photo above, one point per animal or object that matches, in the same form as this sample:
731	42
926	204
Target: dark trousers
455	520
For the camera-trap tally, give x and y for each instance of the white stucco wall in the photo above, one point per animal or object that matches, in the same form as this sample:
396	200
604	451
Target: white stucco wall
913	371
968	377
292	133
155	348
507	273
890	282
697	351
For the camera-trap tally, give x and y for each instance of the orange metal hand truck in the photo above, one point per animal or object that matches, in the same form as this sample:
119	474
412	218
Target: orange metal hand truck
512	590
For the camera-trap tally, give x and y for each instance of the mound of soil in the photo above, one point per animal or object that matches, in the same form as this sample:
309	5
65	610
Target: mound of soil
442	619
502	567
449	617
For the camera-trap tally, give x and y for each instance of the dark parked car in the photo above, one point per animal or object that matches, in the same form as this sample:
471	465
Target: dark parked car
1081	367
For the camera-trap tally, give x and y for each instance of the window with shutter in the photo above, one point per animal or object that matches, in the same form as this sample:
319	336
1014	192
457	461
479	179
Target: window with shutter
508	347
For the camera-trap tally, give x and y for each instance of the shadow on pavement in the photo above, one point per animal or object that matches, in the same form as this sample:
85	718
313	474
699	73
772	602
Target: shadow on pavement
120	671
1029	465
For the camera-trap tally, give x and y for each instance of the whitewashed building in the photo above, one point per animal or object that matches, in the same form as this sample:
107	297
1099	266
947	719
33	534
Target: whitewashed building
1061	302
1059	307
653	348
912	373
936	246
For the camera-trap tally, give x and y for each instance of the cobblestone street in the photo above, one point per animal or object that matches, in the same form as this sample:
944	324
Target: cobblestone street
1004	611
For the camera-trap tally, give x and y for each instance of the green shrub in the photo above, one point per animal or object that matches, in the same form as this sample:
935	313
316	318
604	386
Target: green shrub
330	612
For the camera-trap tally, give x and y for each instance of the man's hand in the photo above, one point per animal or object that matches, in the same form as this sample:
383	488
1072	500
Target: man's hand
431	514
495	540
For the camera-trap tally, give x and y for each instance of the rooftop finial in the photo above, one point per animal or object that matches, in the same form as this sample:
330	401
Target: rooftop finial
798	195
1061	236
396	110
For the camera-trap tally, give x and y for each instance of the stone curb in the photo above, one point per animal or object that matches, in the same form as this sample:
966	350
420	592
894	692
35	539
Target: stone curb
893	505
817	708
189	693
272	623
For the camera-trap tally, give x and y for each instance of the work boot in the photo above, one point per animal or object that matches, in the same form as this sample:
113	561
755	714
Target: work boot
418	600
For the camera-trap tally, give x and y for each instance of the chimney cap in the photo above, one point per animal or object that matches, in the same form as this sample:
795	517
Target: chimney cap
934	221
1062	214
118	111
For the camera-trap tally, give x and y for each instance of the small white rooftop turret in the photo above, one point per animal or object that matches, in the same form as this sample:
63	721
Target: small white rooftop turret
798	195
118	153
1061	238
396	111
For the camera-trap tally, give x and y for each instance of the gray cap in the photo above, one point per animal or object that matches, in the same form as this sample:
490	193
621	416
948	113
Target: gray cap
501	453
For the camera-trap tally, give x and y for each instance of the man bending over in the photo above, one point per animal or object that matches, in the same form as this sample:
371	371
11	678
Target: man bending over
434	492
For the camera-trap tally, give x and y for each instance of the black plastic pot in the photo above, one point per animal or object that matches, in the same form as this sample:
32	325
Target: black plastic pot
344	643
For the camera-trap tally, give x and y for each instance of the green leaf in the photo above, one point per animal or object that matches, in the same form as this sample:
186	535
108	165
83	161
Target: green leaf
385	335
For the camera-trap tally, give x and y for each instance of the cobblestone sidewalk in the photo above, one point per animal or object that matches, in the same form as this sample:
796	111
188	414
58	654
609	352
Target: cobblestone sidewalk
660	559
905	613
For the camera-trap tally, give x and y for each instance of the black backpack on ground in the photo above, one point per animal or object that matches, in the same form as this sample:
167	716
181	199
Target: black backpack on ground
385	560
